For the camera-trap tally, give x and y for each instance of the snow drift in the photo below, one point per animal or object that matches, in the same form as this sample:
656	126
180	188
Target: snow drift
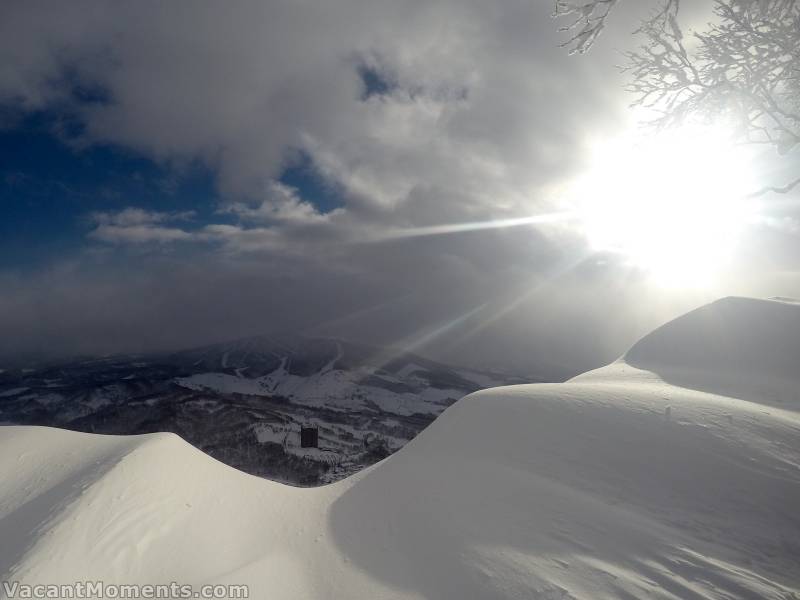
632	481
736	346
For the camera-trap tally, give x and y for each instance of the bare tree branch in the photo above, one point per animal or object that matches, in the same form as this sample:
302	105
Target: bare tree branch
776	190
589	21
744	67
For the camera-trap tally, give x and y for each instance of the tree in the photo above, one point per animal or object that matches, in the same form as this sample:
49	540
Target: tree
744	67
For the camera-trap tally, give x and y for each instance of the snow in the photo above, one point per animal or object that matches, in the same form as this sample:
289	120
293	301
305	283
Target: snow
13	392
409	369
578	490
46	399
222	382
339	353
268	433
484	380
97	401
329	387
741	347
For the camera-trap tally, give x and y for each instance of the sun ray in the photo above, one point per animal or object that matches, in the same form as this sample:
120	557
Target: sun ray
411	232
423	337
518	300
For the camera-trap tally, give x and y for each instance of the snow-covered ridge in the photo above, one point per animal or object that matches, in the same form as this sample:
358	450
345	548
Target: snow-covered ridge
740	347
614	485
732	335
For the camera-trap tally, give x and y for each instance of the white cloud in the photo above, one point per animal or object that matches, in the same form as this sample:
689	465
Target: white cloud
482	97
138	226
131	216
281	204
138	234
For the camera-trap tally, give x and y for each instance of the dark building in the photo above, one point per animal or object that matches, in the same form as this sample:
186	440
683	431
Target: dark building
309	437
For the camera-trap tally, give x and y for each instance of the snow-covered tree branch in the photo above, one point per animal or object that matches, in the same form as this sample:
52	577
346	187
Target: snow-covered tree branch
588	21
743	67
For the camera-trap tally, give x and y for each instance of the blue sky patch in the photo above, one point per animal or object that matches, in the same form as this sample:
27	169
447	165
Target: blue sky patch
375	83
48	190
310	184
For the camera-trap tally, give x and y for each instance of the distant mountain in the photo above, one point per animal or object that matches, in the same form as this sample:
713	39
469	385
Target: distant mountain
244	402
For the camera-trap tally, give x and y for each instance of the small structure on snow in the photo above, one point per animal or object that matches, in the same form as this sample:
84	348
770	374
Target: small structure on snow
309	437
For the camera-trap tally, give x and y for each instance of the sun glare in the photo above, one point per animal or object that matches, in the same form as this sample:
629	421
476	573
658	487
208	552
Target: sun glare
672	205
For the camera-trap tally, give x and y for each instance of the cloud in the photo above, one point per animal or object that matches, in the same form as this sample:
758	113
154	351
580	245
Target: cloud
257	230
138	234
131	216
471	99
134	225
281	204
480	116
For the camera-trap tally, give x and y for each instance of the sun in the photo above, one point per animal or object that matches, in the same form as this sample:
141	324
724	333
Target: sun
673	205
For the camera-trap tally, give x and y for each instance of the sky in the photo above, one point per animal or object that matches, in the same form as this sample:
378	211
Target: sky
173	174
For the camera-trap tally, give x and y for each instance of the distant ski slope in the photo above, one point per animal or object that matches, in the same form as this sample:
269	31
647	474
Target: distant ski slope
616	484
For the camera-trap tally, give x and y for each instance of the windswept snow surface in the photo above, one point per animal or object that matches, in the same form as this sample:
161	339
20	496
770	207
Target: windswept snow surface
621	483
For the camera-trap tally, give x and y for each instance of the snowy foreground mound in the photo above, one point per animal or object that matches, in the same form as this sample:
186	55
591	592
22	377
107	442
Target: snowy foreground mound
640	480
